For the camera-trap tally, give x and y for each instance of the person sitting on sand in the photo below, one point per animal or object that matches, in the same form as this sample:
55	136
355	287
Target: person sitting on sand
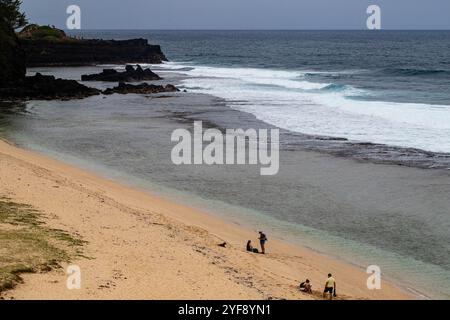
262	241
250	247
330	287
306	286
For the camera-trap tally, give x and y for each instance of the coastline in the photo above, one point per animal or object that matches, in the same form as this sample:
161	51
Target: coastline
142	246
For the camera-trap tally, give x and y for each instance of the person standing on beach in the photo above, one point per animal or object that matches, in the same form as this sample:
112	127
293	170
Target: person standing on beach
262	241
330	287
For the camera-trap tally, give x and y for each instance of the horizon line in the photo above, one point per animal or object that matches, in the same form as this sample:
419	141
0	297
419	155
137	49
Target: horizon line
195	29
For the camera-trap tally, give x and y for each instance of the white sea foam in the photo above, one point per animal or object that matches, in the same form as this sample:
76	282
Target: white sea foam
286	99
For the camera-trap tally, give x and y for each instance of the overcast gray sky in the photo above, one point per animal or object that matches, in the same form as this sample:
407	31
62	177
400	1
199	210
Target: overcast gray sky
242	14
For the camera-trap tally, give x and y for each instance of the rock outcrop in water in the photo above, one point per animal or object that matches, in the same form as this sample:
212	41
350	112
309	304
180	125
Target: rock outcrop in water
129	75
143	88
40	87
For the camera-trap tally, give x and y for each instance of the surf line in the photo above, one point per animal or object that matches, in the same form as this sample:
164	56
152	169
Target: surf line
235	146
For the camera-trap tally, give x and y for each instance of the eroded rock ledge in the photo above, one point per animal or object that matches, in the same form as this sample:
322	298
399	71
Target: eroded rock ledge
144	88
40	87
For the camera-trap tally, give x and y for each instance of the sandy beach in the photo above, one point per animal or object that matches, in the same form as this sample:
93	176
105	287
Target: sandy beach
141	246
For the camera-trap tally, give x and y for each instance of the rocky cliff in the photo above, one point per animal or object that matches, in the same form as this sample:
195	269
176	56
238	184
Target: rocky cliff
69	51
47	46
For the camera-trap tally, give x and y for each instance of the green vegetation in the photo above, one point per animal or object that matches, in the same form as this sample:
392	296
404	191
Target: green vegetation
28	245
36	32
12	60
11	15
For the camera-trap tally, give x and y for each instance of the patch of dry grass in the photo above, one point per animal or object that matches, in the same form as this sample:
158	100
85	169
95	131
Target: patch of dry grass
28	245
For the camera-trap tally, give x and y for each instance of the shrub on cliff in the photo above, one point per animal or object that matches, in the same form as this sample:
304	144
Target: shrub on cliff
36	32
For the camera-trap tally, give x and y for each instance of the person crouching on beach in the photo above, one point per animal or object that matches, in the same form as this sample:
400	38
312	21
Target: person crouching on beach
262	241
306	286
330	287
250	247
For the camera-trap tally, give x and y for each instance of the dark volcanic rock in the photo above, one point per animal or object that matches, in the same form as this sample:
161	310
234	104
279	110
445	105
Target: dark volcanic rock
41	87
70	51
143	88
130	75
40	46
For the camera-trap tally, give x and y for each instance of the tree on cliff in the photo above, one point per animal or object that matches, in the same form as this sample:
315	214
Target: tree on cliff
11	15
12	59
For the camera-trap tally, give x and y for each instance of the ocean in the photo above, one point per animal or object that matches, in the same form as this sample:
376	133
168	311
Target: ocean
388	87
365	138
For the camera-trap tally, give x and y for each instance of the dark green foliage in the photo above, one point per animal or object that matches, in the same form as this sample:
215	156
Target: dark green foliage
11	15
36	32
12	60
